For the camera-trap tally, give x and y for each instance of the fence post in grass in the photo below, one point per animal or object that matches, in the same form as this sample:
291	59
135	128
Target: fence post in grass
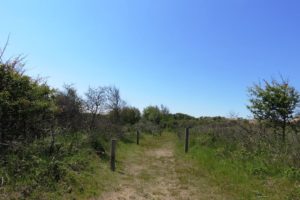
113	155
187	137
137	137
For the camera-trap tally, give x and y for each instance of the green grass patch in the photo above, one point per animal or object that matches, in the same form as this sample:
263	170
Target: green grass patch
238	173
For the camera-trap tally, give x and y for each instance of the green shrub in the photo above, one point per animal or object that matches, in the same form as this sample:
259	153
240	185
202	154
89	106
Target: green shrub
292	173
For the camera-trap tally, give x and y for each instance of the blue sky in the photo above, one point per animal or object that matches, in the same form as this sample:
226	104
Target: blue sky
195	56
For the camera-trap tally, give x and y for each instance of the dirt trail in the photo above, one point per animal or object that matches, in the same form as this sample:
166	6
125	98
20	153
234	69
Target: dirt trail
154	175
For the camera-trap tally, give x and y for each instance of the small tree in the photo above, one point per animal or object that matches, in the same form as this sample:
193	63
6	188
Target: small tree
153	114
114	103
130	115
275	102
164	110
70	108
95	102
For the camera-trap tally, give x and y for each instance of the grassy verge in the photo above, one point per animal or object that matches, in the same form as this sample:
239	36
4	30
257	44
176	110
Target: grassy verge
74	170
238	174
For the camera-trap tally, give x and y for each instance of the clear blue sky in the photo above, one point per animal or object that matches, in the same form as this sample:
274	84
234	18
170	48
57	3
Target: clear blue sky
195	56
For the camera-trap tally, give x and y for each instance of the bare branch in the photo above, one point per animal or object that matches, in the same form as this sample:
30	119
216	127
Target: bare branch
2	51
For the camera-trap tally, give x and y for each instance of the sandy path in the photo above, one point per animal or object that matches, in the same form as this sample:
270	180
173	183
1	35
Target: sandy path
153	175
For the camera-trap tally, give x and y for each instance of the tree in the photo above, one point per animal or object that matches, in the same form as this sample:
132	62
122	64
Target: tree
275	102
70	108
130	115
95	102
153	114
114	103
164	110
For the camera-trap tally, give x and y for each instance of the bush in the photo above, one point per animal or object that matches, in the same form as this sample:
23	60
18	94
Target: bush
98	143
26	107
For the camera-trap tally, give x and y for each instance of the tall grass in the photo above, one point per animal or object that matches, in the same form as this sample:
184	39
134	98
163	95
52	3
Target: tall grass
244	163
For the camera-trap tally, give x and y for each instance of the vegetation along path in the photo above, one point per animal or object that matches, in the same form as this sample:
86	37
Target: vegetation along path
154	170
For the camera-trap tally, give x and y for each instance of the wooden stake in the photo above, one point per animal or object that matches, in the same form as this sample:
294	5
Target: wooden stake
137	137
113	155
187	137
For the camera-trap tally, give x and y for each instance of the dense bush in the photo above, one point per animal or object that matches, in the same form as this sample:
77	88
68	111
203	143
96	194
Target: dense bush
27	106
130	115
70	109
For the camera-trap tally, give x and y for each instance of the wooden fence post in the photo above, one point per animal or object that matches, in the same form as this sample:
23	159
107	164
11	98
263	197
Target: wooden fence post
187	137
113	155
137	137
